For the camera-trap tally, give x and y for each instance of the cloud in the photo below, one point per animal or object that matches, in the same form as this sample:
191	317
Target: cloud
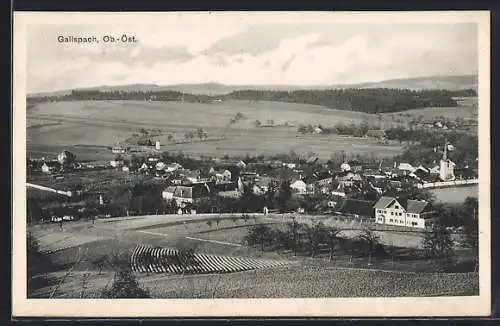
300	54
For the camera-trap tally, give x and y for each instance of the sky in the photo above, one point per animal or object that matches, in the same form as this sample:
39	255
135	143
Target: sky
248	53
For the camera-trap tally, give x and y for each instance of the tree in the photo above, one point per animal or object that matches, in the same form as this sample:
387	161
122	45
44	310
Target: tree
332	237
258	234
170	137
302	129
99	263
316	234
125	285
372	240
470	222
201	133
284	195
258	123
244	217
189	135
437	241
38	264
293	227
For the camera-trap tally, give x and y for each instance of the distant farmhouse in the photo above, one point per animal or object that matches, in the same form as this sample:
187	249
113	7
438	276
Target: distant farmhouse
376	133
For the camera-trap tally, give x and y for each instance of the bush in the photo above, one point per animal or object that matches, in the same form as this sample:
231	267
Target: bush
125	286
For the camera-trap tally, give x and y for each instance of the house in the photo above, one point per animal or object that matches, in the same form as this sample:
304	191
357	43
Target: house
345	167
376	133
116	163
118	150
191	176
290	165
172	167
407	168
435	169
420	174
144	167
250	177
357	208
409	213
317	130
465	173
187	194
241	165
299	186
46	168
348	178
160	166
354	166
221	176
312	160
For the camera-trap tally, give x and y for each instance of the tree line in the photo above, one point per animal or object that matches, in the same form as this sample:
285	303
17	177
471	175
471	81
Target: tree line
369	100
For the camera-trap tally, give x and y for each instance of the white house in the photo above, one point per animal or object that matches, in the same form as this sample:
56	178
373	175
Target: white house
144	167
299	186
45	168
160	166
407	167
410	213
345	167
116	163
290	165
434	170
318	130
172	167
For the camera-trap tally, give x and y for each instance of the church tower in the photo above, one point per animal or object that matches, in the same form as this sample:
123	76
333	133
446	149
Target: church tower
446	166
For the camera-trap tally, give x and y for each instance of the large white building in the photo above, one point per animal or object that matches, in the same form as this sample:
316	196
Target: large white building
409	213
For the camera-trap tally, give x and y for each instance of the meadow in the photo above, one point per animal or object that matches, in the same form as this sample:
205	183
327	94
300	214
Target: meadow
455	195
88	127
80	243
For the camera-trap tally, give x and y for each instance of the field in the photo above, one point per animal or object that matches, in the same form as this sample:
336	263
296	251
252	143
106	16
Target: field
81	242
455	195
87	128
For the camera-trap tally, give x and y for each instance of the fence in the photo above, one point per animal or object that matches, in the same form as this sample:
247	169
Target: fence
448	184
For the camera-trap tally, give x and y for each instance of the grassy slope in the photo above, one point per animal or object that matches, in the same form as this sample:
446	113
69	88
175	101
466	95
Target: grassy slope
317	278
107	122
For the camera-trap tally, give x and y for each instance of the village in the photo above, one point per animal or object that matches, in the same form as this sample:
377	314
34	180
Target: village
379	194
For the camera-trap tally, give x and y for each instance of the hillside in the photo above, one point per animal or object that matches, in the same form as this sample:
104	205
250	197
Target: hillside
451	83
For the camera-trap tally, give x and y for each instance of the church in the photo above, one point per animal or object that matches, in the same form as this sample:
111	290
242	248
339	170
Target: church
446	166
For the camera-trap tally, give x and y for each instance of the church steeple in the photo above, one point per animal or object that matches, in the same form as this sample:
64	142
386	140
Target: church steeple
445	152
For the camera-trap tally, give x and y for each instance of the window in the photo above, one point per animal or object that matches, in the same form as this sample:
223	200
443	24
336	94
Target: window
414	223
396	206
399	214
392	213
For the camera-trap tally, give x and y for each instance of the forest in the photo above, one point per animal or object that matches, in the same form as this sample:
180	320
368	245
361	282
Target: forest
368	100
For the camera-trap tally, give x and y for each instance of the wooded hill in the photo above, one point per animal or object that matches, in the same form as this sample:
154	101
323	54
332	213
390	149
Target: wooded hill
370	100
